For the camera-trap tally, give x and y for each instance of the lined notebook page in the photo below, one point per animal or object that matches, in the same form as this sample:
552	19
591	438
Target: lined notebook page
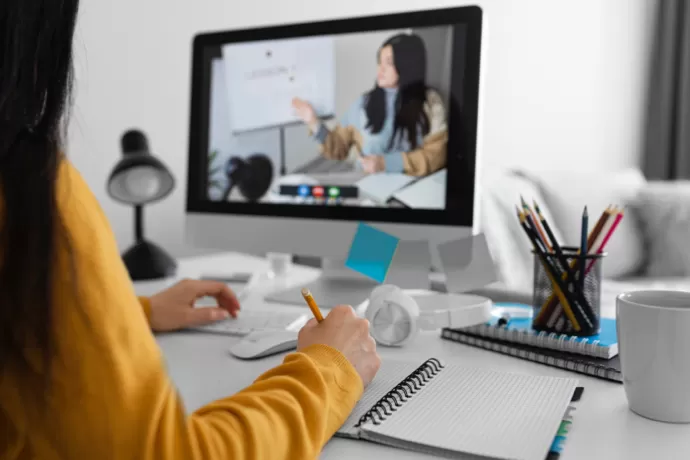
480	412
389	375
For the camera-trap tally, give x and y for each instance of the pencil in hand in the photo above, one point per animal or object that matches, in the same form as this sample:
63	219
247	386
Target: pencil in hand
312	304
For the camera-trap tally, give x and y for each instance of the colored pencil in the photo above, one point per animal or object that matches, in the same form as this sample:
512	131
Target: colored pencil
537	225
593	241
604	235
597	227
555	245
313	306
528	217
550	273
551	307
583	247
609	234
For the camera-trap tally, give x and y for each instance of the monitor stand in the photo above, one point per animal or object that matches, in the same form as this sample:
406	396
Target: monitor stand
337	285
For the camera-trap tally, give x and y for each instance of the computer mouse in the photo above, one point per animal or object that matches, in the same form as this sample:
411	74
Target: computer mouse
260	344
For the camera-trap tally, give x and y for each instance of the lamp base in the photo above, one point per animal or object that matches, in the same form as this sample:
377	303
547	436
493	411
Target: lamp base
147	261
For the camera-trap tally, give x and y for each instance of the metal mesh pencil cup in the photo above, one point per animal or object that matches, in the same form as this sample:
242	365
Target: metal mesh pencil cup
562	303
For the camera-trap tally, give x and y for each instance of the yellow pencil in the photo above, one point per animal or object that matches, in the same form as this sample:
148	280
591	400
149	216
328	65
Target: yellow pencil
561	296
312	304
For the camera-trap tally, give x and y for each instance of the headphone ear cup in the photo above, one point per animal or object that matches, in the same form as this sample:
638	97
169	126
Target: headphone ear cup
393	316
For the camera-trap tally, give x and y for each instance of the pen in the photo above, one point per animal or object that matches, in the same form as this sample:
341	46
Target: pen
312	304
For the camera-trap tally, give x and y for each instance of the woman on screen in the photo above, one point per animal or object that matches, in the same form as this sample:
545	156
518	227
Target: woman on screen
398	126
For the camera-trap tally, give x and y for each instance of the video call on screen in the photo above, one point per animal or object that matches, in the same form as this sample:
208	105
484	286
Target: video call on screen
357	120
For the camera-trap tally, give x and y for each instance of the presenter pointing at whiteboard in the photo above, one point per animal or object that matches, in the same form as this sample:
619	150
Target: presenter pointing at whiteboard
398	126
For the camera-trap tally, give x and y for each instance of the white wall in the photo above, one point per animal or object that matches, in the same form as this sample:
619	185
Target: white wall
564	83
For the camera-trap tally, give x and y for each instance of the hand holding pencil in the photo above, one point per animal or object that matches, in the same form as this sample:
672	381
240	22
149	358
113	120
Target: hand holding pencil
340	334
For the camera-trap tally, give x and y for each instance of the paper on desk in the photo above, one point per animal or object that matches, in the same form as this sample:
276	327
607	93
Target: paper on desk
380	187
427	193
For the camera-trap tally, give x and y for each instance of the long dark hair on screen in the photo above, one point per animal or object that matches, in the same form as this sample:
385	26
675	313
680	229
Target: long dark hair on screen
35	84
409	55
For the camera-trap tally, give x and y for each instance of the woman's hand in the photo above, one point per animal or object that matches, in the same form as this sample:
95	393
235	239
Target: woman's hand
348	334
173	308
372	164
306	112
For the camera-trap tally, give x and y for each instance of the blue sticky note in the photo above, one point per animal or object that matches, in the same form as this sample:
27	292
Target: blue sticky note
371	252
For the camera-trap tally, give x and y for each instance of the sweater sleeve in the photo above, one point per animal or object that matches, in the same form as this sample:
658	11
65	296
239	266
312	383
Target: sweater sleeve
146	306
429	158
432	155
335	143
111	372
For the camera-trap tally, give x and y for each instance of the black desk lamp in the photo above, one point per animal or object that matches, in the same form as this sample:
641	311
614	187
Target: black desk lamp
138	179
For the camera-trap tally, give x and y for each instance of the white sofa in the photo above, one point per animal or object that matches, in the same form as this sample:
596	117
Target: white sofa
650	250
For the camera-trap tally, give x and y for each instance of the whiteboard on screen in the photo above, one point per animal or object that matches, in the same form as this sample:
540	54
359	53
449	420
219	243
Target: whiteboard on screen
263	78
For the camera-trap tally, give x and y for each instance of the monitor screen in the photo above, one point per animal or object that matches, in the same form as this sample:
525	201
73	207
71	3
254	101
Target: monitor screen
365	119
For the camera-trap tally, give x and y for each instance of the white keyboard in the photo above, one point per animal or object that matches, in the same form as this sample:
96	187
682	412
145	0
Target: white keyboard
251	321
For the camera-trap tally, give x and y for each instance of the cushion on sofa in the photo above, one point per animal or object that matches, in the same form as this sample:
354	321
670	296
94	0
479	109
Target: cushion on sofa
510	248
567	193
663	212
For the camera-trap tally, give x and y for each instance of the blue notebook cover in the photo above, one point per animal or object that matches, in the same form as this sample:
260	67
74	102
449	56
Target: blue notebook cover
519	330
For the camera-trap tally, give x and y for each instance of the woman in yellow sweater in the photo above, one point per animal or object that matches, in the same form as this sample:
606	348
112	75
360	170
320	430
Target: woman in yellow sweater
81	376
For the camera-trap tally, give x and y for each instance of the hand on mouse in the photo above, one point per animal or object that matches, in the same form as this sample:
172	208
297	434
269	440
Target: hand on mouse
173	308
347	333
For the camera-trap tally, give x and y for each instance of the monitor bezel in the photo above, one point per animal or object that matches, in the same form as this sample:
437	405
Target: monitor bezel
460	194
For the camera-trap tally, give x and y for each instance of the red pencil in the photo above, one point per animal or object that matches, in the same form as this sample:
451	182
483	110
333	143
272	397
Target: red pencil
606	239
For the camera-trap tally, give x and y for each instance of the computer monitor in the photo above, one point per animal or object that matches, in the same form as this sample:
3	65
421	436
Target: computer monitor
300	132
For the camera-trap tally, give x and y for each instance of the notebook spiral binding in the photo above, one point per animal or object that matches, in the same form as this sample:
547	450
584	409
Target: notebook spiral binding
394	399
543	339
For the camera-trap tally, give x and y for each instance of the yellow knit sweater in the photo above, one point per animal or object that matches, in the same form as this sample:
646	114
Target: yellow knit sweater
111	397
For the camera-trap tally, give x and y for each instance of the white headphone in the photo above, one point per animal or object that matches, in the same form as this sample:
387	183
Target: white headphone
396	316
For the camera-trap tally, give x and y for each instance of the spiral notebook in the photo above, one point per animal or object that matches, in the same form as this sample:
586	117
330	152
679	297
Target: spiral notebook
519	330
453	411
607	369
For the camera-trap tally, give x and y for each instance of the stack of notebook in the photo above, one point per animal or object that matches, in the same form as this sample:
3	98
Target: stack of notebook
596	356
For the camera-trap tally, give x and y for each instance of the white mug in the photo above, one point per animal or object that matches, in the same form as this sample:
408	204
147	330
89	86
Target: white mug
654	346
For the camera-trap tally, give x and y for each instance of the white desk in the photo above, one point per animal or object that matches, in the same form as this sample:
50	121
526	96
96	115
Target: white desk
603	428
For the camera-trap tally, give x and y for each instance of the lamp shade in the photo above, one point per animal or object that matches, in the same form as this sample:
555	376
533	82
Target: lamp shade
139	177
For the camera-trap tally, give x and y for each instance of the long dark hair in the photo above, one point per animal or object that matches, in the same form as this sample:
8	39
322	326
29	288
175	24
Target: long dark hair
35	83
409	56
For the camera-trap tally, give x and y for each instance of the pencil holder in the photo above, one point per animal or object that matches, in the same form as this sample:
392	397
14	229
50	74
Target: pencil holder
565	302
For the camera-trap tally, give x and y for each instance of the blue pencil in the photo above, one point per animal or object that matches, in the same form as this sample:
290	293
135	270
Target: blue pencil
583	248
